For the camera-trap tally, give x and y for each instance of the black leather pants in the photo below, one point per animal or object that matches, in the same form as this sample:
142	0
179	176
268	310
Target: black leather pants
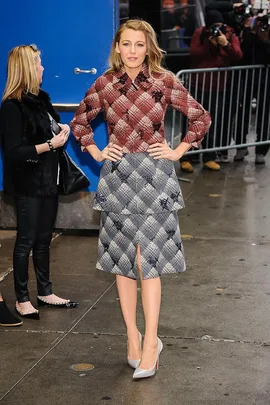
35	221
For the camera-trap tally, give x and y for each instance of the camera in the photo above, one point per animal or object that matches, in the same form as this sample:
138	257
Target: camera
241	13
264	22
215	30
262	14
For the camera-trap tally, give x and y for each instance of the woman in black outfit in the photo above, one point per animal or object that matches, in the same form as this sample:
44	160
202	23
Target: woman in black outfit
31	171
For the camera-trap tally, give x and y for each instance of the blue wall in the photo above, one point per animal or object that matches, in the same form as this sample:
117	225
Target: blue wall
69	35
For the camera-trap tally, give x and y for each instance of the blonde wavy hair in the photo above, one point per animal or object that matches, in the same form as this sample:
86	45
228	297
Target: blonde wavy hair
154	55
22	74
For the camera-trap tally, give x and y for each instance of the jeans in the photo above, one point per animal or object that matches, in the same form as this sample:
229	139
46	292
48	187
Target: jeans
35	222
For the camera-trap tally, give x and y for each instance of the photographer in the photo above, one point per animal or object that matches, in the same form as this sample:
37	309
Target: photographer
234	13
214	45
256	51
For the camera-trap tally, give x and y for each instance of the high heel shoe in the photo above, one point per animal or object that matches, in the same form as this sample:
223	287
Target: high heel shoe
135	363
141	373
29	315
69	304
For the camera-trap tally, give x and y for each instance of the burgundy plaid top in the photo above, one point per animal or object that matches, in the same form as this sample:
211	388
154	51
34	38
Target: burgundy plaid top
135	110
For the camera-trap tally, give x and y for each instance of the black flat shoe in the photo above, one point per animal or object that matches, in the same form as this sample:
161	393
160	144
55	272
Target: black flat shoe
6	317
30	315
69	304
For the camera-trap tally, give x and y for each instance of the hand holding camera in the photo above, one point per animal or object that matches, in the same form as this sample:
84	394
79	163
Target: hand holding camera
213	41
222	40
217	36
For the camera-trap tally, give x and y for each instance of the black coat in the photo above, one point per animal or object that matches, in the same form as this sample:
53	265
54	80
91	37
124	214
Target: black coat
255	51
22	126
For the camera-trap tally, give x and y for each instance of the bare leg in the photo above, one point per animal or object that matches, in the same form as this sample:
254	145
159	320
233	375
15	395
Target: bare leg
127	290
151	299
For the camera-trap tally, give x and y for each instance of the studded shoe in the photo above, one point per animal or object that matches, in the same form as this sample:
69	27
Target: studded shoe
69	304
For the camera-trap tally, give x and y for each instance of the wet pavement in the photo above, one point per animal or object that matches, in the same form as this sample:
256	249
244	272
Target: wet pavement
214	320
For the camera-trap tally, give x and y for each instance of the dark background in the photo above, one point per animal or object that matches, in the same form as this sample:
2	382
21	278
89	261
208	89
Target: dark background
150	11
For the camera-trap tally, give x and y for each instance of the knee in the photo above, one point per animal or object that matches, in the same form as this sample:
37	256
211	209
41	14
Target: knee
24	243
43	240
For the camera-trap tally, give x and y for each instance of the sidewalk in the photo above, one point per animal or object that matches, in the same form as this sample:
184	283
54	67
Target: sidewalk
214	321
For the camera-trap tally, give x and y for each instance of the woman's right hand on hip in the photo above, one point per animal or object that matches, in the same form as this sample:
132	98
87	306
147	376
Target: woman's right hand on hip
112	152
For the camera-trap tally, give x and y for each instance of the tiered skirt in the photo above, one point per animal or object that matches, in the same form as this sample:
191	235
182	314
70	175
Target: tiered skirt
139	197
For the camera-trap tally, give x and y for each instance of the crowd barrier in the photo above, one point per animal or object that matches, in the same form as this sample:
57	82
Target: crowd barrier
238	99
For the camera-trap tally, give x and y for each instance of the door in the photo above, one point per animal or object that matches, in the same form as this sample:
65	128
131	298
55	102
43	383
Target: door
70	34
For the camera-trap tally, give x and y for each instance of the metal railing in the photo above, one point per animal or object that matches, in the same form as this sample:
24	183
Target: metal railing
238	99
66	107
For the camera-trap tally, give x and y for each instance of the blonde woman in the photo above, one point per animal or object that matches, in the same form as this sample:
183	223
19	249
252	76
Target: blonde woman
138	192
30	154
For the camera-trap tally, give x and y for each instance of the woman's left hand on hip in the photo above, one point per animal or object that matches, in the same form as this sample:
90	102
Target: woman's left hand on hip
162	151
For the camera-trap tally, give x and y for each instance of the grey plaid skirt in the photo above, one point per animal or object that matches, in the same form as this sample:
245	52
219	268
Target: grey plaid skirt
139	198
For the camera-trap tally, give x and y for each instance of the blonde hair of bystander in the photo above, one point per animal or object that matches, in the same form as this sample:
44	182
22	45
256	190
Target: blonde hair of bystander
22	75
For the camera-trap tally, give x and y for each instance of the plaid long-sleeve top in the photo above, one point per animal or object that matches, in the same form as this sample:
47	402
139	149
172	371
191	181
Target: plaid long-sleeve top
135	110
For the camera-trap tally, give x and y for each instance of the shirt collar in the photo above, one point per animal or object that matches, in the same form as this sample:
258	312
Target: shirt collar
143	79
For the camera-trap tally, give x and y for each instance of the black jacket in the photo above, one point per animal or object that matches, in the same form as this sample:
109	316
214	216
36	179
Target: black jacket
22	126
255	51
